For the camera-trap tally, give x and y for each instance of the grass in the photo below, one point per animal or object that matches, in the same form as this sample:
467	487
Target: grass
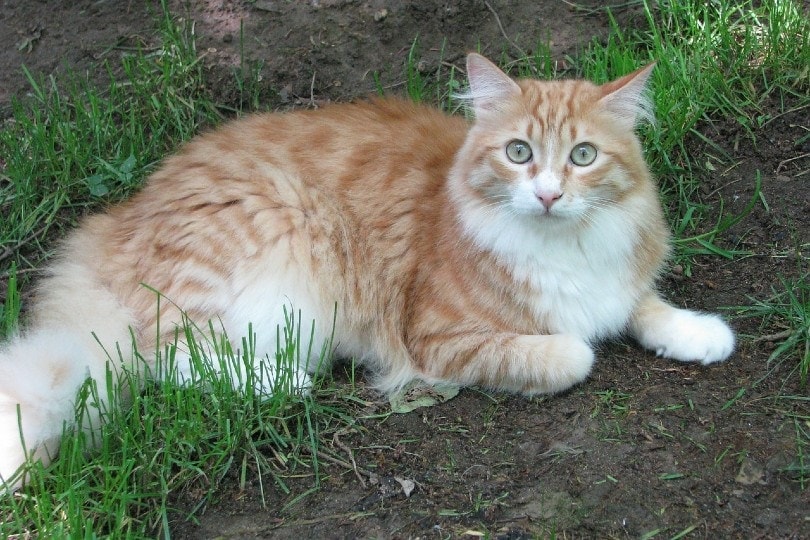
801	466
787	311
75	146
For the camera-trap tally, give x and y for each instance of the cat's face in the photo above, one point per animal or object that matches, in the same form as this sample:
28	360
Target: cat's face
552	150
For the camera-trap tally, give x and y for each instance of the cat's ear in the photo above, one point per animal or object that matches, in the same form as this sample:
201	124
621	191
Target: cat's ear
628	97
490	87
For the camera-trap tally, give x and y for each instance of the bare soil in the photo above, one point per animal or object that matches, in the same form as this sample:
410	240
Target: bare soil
643	445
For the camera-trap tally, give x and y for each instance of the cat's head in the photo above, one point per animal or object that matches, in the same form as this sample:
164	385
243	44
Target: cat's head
552	151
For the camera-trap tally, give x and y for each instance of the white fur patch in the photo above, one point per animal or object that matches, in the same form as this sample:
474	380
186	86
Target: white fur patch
41	375
584	276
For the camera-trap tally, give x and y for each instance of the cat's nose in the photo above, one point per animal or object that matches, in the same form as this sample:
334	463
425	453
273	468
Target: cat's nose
548	198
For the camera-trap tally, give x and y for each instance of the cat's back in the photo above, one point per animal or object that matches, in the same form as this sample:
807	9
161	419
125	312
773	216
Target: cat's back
348	178
383	147
351	139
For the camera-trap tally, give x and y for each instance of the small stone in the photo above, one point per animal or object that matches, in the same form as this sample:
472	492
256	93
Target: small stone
750	473
407	485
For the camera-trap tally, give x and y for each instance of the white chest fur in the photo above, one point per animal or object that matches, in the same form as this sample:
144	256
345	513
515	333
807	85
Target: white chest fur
584	278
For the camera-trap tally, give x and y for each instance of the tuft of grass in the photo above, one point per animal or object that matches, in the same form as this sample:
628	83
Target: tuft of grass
611	402
787	311
422	84
74	146
690	245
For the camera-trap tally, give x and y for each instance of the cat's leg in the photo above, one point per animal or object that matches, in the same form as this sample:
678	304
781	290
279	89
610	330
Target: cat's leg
530	364
680	334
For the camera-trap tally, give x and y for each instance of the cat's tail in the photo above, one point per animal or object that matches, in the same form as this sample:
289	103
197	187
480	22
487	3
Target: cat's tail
43	369
40	375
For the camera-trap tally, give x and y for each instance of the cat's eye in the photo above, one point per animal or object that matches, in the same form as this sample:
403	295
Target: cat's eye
583	154
518	151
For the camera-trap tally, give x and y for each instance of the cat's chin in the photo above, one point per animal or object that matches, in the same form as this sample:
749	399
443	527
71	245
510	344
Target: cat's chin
555	218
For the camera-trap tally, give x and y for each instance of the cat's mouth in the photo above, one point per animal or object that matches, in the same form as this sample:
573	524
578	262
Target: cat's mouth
554	212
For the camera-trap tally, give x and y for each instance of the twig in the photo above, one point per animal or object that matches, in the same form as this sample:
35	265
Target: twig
783	113
506	37
786	161
312	92
773	337
7	252
337	461
336	440
19	271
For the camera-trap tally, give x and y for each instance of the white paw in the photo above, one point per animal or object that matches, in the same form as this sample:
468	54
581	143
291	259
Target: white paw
691	337
576	357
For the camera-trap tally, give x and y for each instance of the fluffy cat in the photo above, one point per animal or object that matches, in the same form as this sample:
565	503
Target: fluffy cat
489	253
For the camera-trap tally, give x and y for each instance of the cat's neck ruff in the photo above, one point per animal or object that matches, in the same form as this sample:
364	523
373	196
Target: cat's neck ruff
607	237
584	272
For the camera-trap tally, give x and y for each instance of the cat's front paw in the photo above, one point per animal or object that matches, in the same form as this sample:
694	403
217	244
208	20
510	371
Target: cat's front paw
558	362
690	337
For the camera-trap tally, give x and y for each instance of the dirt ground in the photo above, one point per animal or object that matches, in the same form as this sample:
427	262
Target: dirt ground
643	445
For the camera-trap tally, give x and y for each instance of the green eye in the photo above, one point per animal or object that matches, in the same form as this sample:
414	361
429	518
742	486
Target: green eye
583	154
518	151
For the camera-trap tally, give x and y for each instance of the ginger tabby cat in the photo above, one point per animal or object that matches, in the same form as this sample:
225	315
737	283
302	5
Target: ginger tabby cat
494	252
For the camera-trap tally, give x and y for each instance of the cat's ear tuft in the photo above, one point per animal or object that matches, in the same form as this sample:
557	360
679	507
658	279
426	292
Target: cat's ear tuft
489	88
629	98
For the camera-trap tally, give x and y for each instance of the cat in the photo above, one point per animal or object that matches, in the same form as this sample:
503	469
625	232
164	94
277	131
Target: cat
494	251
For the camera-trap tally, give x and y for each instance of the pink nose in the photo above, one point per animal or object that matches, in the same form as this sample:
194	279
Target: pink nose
548	198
